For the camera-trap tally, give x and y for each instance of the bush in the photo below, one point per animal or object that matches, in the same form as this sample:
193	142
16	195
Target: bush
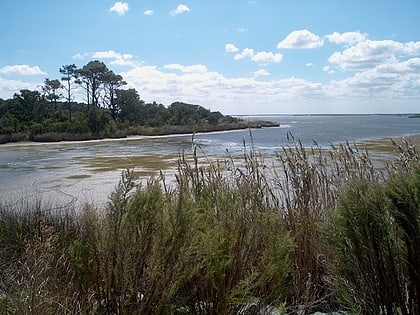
306	231
376	233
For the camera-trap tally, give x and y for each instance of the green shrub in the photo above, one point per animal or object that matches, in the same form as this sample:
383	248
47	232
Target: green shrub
237	235
369	251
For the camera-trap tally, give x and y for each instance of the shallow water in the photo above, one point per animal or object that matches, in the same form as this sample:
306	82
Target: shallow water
79	172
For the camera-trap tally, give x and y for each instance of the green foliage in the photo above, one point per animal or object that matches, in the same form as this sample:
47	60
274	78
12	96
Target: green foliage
308	231
109	110
369	251
403	190
375	232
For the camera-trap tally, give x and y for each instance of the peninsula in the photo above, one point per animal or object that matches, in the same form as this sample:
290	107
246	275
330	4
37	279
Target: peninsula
109	111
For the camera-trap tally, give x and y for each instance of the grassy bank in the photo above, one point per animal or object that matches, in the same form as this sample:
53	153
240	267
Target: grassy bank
305	232
133	131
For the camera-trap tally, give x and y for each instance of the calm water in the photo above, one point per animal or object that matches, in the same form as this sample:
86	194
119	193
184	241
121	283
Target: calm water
79	172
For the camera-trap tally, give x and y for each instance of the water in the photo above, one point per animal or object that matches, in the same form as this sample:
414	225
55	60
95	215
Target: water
325	129
79	172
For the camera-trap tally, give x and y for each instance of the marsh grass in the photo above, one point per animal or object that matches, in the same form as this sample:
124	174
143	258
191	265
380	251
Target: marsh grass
307	230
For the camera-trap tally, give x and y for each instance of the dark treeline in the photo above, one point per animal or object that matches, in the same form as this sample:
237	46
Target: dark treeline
108	110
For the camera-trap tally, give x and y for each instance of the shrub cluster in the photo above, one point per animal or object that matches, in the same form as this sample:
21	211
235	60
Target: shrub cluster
306	231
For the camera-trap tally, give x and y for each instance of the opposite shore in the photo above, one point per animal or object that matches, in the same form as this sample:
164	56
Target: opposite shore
163	131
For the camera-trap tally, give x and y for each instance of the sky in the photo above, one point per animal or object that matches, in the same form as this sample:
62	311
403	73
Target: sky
232	56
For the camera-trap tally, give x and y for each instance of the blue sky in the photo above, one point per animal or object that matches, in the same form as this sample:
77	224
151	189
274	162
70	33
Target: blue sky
237	56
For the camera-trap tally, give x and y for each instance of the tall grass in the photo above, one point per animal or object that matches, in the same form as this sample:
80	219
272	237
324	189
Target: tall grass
307	230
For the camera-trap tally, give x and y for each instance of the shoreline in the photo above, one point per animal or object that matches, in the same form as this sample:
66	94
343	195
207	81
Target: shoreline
413	139
131	137
374	143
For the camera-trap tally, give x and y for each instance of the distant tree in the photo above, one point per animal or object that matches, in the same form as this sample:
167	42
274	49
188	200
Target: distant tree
155	114
214	118
30	106
69	76
112	82
51	90
91	78
184	114
130	106
98	120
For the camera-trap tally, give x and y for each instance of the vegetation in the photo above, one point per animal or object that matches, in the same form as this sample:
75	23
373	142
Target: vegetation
108	110
306	232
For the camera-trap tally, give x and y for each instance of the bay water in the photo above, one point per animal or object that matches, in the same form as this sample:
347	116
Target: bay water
88	171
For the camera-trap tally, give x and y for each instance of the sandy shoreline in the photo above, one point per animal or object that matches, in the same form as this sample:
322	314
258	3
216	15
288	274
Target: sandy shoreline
128	138
412	139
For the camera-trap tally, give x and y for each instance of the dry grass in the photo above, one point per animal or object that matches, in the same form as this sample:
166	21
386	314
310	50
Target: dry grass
229	236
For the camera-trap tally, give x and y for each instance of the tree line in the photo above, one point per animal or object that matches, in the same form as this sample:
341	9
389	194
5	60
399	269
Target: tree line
108	110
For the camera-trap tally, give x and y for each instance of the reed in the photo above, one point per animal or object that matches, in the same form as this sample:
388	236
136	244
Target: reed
307	230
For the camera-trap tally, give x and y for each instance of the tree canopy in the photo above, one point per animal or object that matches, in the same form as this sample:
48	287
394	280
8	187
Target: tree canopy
108	110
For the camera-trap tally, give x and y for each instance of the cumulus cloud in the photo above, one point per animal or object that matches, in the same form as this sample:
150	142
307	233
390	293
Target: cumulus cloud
21	70
262	57
260	73
301	39
231	48
148	12
267	57
349	38
328	69
182	8
197	84
116	58
9	87
393	81
370	53
187	69
119	7
112	57
246	52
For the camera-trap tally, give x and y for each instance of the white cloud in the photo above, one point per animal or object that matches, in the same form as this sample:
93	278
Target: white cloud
267	57
116	58
246	52
394	81
218	92
261	72
9	87
301	39
148	12
196	84
309	64
412	48
409	66
182	8
262	57
231	48
21	70
349	38
328	69
186	69
119	7
368	54
80	56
